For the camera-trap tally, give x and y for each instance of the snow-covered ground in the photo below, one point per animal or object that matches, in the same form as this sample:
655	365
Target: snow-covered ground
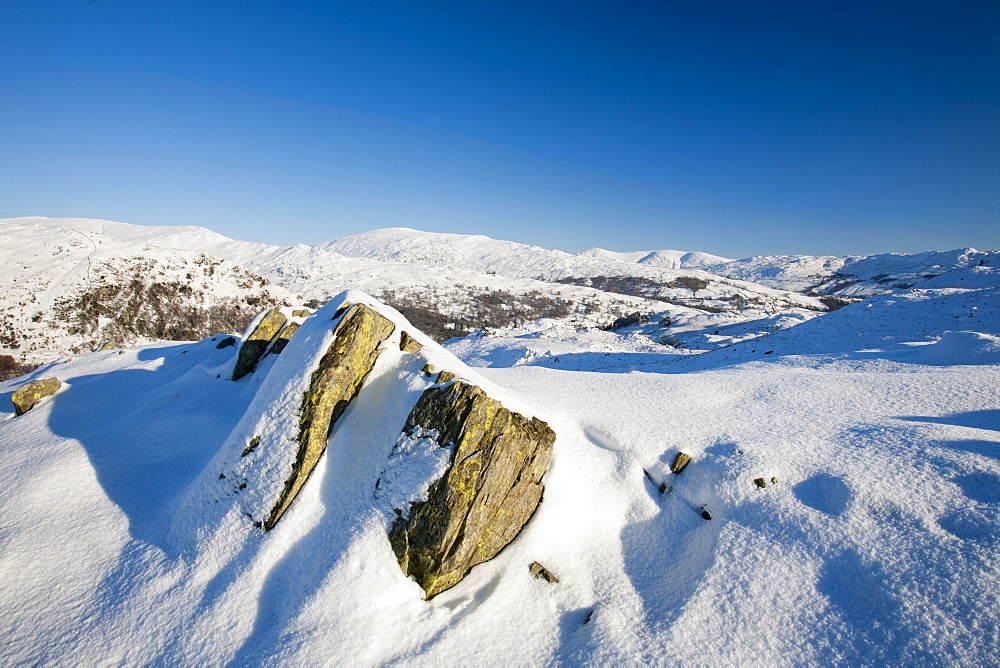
877	545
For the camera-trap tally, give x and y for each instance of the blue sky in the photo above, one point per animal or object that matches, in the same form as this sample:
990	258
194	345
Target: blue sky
732	127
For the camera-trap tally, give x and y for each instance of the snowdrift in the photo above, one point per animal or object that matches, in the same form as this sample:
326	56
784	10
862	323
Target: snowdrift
877	544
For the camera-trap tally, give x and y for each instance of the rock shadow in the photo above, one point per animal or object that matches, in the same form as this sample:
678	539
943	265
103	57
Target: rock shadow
666	557
984	419
576	638
825	493
148	433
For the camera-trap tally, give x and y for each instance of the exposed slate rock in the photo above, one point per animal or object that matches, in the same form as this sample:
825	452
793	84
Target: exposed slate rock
408	344
226	342
542	573
28	395
253	346
251	446
301	313
283	338
334	384
680	461
760	482
660	486
490	490
445	376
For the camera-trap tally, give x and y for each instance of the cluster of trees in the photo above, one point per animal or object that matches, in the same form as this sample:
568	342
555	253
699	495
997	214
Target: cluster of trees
470	308
133	304
638	286
9	368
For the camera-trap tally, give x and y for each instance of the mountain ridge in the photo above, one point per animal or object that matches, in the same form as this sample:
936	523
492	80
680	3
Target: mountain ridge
452	283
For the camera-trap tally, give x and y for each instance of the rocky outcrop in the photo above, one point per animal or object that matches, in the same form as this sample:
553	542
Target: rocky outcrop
28	395
254	345
680	461
283	338
408	344
334	384
487	494
462	471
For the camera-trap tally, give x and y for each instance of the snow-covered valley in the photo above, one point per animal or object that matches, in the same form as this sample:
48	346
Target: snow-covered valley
841	504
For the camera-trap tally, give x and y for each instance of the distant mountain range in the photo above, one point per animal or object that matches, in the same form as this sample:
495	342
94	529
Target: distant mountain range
71	284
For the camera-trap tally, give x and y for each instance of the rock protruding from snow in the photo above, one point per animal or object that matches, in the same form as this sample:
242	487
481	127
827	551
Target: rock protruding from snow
680	461
542	573
487	494
284	337
254	345
28	395
408	344
334	384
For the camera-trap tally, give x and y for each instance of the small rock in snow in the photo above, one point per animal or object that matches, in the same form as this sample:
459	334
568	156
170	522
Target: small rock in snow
542	573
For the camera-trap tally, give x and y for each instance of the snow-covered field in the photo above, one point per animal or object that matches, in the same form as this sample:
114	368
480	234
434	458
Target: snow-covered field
879	543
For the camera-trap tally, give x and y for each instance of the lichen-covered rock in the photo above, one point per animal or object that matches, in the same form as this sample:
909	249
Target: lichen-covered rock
408	344
542	573
283	338
680	461
256	343
29	394
445	376
334	384
490	490
301	313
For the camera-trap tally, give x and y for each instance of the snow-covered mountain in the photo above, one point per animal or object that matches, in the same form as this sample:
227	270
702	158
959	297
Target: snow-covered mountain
79	284
69	286
67	283
661	258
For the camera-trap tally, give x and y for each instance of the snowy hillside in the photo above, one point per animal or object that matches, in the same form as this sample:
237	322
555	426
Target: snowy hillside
670	259
73	285
451	284
859	276
841	505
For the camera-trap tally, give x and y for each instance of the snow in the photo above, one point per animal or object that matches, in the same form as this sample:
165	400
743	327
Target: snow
877	544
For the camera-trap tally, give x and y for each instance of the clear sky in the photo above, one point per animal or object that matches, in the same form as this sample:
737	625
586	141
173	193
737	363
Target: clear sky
728	126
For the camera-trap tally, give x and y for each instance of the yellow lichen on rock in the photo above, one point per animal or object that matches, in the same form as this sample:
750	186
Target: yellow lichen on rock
29	394
284	337
253	347
489	492
334	384
408	344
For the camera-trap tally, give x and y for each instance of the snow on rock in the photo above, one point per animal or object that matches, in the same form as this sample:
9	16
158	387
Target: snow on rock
485	497
348	371
877	545
260	333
